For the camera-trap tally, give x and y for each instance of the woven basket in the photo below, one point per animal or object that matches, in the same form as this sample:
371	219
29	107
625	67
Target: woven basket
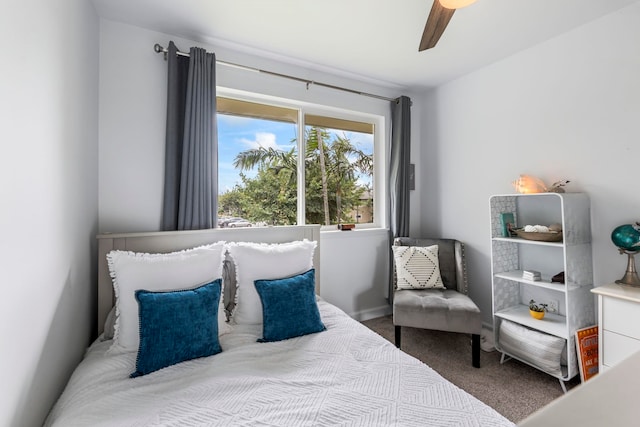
541	237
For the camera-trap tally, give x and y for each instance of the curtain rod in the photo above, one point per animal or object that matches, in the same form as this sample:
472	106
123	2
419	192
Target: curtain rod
160	49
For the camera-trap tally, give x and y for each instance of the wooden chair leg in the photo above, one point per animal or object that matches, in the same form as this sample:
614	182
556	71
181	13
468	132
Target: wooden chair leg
398	336
475	350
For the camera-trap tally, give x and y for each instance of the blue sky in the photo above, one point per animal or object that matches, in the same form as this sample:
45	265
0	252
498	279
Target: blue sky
236	134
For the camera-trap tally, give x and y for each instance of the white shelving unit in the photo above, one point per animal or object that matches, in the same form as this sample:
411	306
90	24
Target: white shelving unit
509	256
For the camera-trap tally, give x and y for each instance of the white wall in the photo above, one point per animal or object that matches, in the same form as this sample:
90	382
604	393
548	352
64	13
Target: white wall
48	176
354	268
568	108
132	126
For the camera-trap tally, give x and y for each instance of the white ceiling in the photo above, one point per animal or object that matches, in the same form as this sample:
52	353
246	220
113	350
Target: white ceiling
374	39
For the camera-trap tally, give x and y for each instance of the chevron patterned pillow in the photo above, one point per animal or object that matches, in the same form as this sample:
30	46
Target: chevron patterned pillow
417	267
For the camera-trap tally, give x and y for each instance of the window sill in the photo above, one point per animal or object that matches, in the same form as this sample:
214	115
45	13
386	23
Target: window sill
355	233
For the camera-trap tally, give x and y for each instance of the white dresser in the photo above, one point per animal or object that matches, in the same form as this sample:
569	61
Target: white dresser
618	323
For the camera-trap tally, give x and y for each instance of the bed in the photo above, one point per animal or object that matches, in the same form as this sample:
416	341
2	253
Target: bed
340	374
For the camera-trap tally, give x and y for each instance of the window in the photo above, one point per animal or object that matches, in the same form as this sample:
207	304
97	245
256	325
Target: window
282	165
338	171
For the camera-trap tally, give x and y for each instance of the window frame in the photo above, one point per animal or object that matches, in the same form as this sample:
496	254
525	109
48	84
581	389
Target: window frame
379	149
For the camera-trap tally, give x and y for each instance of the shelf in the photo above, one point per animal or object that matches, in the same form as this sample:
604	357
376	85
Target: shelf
551	323
573	255
528	242
516	276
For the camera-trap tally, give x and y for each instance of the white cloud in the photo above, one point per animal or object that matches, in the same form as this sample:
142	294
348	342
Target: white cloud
262	139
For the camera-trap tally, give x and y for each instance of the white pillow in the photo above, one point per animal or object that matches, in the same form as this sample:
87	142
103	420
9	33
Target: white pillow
131	271
224	327
259	261
417	267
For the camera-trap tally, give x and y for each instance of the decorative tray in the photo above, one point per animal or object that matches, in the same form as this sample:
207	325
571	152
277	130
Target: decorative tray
553	236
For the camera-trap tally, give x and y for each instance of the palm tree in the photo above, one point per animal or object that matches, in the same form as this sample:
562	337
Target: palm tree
338	160
346	160
278	160
315	141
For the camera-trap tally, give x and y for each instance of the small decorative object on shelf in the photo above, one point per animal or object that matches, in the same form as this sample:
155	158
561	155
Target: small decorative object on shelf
558	278
537	310
527	184
627	238
558	186
541	233
508	223
531	275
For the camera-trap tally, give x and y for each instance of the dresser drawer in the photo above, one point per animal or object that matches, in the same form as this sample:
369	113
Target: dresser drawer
617	347
621	316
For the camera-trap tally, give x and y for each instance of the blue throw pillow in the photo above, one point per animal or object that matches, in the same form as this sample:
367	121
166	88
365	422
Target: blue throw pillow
176	326
289	307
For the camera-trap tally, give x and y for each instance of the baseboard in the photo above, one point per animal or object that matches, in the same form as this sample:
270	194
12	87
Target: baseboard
371	313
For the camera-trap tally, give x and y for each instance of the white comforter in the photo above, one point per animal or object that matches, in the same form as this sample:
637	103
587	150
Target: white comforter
346	375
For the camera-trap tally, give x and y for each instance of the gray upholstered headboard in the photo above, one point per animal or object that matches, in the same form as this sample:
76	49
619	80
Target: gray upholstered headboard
170	241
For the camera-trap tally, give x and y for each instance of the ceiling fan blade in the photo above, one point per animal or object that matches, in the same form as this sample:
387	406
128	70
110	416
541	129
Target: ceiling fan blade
437	21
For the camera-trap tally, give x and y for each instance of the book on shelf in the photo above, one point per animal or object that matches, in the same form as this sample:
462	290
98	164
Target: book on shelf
508	224
531	275
587	350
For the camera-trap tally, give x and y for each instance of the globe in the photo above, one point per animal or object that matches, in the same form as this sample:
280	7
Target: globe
627	237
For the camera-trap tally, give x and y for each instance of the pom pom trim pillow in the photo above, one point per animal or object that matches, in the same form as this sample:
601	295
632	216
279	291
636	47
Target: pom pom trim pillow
417	267
289	307
176	326
261	261
132	271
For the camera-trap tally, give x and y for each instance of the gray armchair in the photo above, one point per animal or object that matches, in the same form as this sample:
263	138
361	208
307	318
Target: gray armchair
447	309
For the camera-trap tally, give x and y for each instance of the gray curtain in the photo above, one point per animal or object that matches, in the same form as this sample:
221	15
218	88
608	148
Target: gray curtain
191	145
399	173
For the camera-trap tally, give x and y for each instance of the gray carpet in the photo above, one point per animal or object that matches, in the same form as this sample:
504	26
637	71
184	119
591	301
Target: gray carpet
514	389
